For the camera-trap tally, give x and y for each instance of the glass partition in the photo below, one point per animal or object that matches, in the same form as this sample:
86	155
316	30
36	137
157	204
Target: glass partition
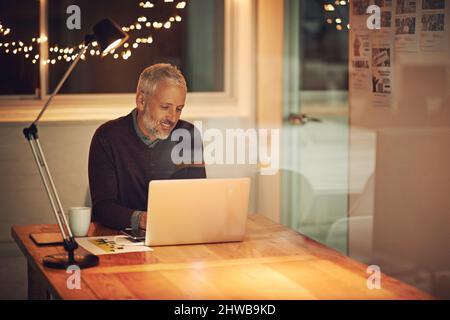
366	136
315	129
399	208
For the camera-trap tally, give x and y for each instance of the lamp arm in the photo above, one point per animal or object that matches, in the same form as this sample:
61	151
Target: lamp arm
50	187
63	80
31	134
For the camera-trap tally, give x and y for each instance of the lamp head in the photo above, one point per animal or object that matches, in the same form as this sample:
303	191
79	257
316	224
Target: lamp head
108	35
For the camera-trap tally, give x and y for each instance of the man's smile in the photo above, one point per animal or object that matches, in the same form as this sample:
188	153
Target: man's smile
167	125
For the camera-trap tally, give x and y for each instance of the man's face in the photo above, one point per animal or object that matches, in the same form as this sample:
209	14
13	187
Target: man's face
159	113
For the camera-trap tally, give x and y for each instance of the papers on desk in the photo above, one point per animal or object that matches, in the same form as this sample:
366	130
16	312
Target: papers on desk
111	245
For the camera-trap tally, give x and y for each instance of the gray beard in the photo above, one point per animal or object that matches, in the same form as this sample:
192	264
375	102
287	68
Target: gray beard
150	126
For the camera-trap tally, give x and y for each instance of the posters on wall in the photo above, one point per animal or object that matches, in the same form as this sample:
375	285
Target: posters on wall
386	13
382	55
382	66
406	26
360	61
371	53
409	26
433	26
359	14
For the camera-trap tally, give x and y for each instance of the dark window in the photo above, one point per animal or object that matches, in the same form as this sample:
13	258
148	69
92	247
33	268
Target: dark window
19	22
194	44
323	48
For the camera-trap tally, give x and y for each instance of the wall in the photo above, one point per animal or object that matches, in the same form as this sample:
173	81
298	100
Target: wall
269	94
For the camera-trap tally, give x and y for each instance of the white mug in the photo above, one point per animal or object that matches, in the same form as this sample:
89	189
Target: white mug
79	220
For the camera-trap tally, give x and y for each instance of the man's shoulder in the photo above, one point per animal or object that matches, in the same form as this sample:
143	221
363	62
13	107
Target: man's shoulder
115	126
183	124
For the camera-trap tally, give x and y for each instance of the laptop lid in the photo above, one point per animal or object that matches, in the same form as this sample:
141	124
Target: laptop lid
193	211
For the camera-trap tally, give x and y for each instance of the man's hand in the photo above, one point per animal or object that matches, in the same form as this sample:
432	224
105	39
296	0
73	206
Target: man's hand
143	221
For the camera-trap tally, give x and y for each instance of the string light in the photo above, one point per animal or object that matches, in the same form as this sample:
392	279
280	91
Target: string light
64	54
146	5
181	5
328	7
4	31
334	12
126	54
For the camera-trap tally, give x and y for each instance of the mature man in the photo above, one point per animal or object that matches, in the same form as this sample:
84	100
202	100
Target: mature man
128	152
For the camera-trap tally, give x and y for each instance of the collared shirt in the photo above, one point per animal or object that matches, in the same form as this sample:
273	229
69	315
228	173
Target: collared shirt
136	215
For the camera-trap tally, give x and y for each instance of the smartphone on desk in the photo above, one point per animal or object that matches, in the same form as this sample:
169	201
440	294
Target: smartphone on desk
134	234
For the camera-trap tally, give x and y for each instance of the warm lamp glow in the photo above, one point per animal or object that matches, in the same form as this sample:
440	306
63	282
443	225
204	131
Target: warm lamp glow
112	46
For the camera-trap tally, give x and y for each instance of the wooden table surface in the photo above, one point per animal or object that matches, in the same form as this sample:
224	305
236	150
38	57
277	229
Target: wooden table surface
273	262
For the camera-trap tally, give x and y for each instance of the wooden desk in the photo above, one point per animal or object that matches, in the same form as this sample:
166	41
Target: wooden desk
272	262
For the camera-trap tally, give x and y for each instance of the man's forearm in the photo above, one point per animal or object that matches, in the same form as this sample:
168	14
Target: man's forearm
113	215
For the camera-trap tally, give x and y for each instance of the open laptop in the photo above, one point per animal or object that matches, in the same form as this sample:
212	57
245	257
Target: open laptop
193	211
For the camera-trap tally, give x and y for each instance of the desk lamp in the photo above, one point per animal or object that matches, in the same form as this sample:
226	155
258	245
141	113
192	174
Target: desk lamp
109	36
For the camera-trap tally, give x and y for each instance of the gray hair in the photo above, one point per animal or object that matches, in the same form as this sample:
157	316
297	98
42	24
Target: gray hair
151	76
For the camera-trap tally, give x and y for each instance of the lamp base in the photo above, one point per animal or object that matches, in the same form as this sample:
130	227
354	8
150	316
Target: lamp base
61	261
